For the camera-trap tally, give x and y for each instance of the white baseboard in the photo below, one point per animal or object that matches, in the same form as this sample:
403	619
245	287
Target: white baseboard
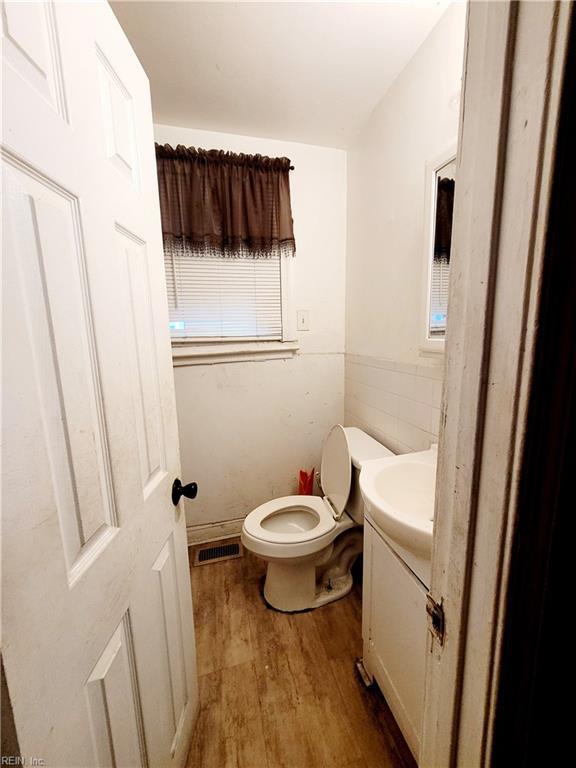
200	534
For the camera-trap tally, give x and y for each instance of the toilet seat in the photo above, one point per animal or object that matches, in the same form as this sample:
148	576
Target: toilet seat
299	526
255	523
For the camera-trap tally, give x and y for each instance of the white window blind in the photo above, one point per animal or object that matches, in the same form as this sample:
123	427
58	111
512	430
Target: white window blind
216	298
439	296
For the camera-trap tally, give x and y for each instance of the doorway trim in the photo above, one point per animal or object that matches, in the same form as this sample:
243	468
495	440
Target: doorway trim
513	70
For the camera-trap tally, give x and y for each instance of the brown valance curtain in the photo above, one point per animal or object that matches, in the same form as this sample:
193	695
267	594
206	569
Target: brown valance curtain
216	203
444	213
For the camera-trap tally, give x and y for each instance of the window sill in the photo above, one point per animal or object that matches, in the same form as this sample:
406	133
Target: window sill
231	352
432	348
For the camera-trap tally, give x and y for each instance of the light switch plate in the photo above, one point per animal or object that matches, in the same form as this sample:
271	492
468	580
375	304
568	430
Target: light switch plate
303	319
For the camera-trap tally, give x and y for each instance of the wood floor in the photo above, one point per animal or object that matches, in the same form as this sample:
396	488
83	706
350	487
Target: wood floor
279	690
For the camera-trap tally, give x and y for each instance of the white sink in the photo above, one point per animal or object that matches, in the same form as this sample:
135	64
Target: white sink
398	492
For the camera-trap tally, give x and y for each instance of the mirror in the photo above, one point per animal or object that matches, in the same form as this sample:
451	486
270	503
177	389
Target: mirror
440	183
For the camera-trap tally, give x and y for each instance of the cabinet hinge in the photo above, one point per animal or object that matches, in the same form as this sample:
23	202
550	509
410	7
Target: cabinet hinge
436	623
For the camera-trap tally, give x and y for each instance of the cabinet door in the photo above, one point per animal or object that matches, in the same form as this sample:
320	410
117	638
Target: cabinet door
397	636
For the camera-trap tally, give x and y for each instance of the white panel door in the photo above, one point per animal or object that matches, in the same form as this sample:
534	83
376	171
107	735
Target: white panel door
97	618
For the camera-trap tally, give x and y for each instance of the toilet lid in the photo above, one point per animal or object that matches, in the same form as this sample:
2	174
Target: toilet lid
336	469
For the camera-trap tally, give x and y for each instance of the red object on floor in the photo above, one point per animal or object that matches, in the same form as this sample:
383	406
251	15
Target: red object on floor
306	482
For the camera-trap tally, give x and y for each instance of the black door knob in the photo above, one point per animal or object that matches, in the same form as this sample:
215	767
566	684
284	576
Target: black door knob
179	490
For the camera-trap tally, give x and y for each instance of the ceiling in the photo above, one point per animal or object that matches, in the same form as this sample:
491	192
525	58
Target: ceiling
309	72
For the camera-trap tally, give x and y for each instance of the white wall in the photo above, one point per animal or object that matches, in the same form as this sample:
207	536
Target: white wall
397	403
415	121
246	428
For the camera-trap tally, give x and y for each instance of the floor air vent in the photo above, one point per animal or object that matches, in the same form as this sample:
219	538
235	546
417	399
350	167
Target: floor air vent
227	549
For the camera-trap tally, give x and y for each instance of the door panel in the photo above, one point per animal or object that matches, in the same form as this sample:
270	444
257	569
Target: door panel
56	310
98	637
118	114
30	45
114	703
146	390
167	590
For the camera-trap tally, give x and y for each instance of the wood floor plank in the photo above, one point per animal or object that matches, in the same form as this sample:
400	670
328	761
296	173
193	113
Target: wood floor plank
288	744
253	568
271	639
297	674
328	730
357	764
279	690
242	718
377	733
229	732
340	627
207	749
220	616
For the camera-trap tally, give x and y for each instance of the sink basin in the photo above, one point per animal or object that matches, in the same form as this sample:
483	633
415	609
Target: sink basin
398	492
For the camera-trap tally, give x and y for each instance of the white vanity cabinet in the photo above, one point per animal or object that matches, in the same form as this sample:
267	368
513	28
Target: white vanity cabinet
394	631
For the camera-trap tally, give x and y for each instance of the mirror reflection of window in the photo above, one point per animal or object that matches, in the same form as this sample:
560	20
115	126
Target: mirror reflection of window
440	273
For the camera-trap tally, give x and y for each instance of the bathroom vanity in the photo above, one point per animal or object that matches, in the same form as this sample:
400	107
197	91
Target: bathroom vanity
394	632
398	493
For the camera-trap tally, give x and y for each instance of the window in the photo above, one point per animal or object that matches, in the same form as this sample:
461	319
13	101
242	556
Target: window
228	241
440	268
439	207
439	280
216	298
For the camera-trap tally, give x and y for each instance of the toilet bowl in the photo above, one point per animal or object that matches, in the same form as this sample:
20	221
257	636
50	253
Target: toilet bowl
310	542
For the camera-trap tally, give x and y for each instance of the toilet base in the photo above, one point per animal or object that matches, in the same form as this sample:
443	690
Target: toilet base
327	594
337	589
300	585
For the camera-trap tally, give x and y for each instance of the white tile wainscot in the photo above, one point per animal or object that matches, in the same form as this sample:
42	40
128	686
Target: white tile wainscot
397	403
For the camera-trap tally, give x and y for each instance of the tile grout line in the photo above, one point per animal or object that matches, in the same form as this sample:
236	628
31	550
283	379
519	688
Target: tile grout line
392	416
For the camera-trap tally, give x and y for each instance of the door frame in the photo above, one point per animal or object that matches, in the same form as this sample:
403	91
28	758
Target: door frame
513	76
528	729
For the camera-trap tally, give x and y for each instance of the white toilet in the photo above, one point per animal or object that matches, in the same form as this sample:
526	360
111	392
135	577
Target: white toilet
310	542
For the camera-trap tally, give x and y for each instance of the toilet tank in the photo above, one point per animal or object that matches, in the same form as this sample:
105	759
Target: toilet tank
362	447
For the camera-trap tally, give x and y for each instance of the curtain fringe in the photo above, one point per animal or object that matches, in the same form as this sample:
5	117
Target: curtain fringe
178	247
